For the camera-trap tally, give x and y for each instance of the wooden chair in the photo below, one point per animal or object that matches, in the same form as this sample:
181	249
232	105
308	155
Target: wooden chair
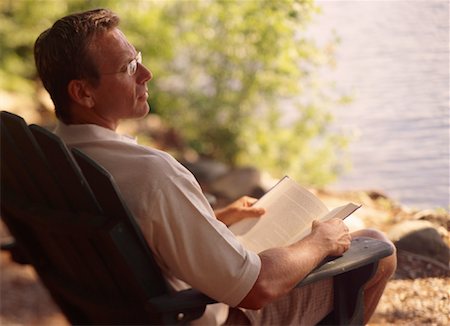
69	221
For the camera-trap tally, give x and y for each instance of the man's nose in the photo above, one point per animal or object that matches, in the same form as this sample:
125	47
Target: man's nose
145	74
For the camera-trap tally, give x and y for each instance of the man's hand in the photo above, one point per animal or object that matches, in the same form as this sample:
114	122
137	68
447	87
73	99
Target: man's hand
283	267
332	235
238	210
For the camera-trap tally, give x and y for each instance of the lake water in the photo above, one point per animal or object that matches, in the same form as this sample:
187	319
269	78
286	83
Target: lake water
394	60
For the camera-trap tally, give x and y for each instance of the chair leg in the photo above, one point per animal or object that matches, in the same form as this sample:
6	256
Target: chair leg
349	296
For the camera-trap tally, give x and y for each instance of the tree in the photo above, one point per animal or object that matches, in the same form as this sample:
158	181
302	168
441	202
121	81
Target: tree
242	87
235	78
20	24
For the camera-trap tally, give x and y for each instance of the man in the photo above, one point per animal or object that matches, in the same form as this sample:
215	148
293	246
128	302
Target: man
96	79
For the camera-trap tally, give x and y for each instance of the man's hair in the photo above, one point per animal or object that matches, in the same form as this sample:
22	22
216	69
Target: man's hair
61	54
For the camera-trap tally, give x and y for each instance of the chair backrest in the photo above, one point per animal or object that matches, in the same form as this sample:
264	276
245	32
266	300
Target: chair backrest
69	219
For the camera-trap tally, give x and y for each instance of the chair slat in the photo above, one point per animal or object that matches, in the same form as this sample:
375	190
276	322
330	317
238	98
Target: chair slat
72	245
101	184
96	267
9	181
33	158
113	205
53	246
70	179
22	180
106	192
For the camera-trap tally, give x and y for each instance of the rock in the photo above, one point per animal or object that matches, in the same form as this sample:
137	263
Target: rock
206	171
440	218
420	237
237	183
376	195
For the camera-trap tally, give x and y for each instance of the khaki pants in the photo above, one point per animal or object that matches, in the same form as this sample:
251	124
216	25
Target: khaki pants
306	305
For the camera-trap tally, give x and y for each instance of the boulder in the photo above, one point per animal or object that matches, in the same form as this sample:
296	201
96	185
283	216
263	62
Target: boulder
422	238
237	183
206	171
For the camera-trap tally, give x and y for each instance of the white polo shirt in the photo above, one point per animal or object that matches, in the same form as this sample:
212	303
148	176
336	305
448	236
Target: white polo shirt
190	245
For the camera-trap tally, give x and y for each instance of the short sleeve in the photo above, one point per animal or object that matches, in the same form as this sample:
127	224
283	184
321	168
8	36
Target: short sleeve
192	245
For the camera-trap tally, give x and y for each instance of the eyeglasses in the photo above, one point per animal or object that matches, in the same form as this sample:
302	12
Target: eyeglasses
131	66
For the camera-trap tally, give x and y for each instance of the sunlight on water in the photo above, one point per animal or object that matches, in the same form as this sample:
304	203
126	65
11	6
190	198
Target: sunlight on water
394	60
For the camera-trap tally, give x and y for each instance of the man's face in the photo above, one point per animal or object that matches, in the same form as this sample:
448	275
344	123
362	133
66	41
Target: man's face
118	95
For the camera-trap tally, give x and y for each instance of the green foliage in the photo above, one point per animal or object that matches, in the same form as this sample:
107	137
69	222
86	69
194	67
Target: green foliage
241	68
237	79
20	24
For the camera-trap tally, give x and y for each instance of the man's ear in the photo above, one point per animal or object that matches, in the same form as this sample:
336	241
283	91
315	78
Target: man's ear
80	92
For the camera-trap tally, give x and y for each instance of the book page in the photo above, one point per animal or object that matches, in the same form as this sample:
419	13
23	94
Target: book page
290	209
339	212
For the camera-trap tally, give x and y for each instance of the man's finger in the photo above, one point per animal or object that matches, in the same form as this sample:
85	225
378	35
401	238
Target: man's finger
255	211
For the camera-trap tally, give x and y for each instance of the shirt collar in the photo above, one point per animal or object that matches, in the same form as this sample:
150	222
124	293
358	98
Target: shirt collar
80	133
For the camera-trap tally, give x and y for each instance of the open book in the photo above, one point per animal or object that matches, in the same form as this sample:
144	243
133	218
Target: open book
290	211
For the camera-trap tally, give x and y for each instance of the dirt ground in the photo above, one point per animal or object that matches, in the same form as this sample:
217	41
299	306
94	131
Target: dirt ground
420	300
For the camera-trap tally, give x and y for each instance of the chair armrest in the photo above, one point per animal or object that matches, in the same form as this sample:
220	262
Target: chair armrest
179	307
179	301
362	251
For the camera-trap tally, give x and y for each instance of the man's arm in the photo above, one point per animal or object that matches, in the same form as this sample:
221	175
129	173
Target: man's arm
283	268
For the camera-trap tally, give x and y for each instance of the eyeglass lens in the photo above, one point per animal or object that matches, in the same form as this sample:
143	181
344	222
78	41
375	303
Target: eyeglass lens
132	66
